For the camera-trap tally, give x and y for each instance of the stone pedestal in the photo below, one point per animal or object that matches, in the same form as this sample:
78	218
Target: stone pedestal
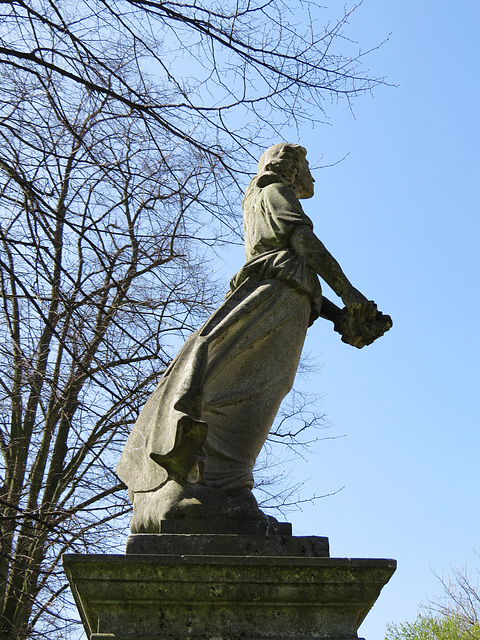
224	587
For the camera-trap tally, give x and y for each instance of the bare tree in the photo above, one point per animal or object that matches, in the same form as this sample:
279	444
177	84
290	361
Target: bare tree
461	595
97	267
119	169
452	615
218	76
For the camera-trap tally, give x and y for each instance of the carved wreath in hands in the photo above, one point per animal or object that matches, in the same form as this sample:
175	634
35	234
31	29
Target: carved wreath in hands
361	323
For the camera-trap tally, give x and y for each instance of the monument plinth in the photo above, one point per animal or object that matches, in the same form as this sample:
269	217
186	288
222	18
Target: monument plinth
229	587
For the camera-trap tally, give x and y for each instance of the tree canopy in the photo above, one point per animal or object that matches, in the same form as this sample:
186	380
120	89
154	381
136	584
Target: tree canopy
188	67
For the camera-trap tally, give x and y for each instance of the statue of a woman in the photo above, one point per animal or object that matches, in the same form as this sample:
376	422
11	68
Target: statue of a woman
192	450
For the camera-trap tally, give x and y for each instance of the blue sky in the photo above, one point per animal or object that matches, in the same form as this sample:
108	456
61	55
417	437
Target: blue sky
401	215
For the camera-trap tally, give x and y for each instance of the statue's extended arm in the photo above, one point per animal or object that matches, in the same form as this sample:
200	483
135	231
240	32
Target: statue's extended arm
330	311
359	323
313	251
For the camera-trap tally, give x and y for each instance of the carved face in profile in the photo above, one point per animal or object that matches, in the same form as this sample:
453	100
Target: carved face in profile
303	184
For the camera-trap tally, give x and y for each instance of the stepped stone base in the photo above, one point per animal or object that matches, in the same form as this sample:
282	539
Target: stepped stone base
224	587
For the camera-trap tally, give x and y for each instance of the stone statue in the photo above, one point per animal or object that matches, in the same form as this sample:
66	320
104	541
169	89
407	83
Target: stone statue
192	450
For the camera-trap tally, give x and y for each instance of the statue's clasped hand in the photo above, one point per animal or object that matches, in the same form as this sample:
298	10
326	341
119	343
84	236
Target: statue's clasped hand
360	323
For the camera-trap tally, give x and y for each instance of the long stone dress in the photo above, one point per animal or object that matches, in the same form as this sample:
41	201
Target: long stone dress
230	376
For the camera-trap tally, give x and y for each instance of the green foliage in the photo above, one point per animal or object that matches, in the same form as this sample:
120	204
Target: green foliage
454	615
430	627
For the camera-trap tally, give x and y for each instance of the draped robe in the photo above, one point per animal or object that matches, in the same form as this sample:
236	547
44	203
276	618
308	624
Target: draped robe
230	376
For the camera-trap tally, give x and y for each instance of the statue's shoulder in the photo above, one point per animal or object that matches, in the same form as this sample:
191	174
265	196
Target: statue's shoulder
279	195
271	197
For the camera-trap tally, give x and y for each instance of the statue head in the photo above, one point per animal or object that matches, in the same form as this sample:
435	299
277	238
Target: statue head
285	162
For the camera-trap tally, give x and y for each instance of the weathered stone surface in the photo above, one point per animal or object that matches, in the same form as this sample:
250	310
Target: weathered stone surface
255	597
267	526
227	545
195	508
